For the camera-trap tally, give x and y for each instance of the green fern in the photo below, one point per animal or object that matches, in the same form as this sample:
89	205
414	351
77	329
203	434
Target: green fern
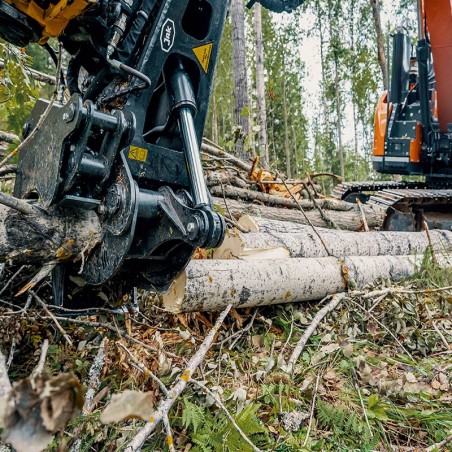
192	416
348	429
212	430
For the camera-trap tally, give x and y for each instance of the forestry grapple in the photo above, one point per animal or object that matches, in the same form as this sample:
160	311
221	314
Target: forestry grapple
126	143
413	127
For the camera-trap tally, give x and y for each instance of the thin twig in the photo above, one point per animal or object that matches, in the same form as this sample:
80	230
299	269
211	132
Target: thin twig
11	279
321	314
169	434
11	353
307	219
144	369
363	215
166	404
94	378
438	331
114	330
42	359
45	270
314	397
384	327
57	323
18	204
427	231
228	414
440	445
358	390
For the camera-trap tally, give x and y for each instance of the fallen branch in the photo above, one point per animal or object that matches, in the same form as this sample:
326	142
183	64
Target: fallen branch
321	314
55	320
166	404
440	445
94	378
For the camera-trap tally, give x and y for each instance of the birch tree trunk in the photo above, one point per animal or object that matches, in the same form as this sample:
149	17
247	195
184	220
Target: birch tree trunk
210	285
348	218
241	94
375	4
282	238
286	134
260	84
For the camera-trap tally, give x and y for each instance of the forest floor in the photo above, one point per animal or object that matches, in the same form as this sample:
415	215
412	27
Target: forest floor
376	374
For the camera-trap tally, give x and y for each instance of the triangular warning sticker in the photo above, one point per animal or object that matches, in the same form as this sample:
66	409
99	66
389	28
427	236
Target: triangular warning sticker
203	54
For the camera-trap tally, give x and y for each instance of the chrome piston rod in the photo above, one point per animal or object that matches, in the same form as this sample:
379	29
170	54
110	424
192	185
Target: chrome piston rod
193	158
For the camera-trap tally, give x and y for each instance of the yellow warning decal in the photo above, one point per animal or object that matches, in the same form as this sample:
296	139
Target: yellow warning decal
203	54
137	153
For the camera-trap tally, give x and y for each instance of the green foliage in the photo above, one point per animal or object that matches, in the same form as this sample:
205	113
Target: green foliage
192	416
212	430
347	428
18	92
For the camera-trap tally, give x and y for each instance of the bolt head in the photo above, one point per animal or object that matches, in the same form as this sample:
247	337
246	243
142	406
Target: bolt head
191	227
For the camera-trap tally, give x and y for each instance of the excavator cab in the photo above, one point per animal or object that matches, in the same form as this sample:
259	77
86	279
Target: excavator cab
413	121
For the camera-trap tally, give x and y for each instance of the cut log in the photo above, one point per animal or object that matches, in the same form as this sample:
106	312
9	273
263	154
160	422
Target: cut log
210	285
55	236
301	241
345	215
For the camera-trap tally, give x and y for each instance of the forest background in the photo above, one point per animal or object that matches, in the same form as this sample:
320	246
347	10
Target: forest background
299	89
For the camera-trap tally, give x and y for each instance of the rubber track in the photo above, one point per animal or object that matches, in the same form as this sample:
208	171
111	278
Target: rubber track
393	194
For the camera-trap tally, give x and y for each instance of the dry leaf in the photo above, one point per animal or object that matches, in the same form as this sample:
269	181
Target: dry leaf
330	375
347	350
436	384
410	377
39	408
127	405
324	351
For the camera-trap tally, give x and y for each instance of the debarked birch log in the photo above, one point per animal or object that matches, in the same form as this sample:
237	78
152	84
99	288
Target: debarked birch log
57	235
274	239
210	285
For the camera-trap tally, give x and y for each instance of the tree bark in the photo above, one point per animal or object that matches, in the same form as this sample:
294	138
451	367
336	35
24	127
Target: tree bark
210	285
260	84
286	134
345	215
375	4
298	241
58	236
241	94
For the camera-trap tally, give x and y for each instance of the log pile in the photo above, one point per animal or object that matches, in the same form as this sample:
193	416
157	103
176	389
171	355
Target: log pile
239	188
289	243
284	262
282	246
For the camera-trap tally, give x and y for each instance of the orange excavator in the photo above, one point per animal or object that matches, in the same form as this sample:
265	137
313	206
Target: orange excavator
413	127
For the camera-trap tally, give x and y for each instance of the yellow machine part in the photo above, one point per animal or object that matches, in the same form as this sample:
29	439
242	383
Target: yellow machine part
55	18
